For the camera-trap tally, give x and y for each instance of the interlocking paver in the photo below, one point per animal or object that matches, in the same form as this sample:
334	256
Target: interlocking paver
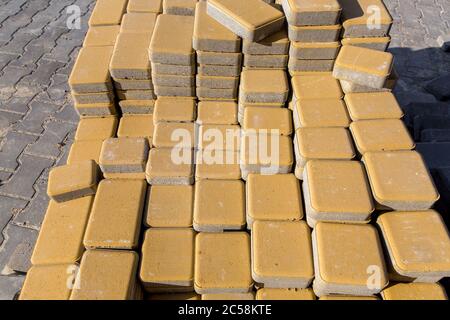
21	185
12	146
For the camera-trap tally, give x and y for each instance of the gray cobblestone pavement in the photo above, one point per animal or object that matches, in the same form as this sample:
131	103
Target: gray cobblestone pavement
37	119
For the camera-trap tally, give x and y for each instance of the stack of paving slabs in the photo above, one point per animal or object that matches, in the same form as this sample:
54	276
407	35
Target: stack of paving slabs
314	31
130	67
252	20
269	53
320	119
90	82
266	145
172	56
219	58
361	69
59	247
365	23
174	138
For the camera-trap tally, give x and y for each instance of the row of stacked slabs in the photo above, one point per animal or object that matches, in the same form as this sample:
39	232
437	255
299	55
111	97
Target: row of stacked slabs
271	52
268	204
400	183
130	67
75	256
166	267
314	32
219	58
173	62
366	24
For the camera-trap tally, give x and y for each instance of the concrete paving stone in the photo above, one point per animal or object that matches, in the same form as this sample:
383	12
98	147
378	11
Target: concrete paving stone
21	184
16	104
41	77
436	155
29	58
10	285
33	121
9	207
57	91
50	142
33	214
14	236
20	20
435	135
12	146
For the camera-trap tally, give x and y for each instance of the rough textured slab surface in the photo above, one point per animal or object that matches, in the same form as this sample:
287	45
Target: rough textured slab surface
179	50
285	260
115	219
320	113
363	66
61	238
124	155
107	12
213	112
381	135
337	191
46	283
96	128
418	244
170	166
130	58
138	23
373	105
168	259
222	263
154	6
273	198
101	36
106	275
341	263
316	86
